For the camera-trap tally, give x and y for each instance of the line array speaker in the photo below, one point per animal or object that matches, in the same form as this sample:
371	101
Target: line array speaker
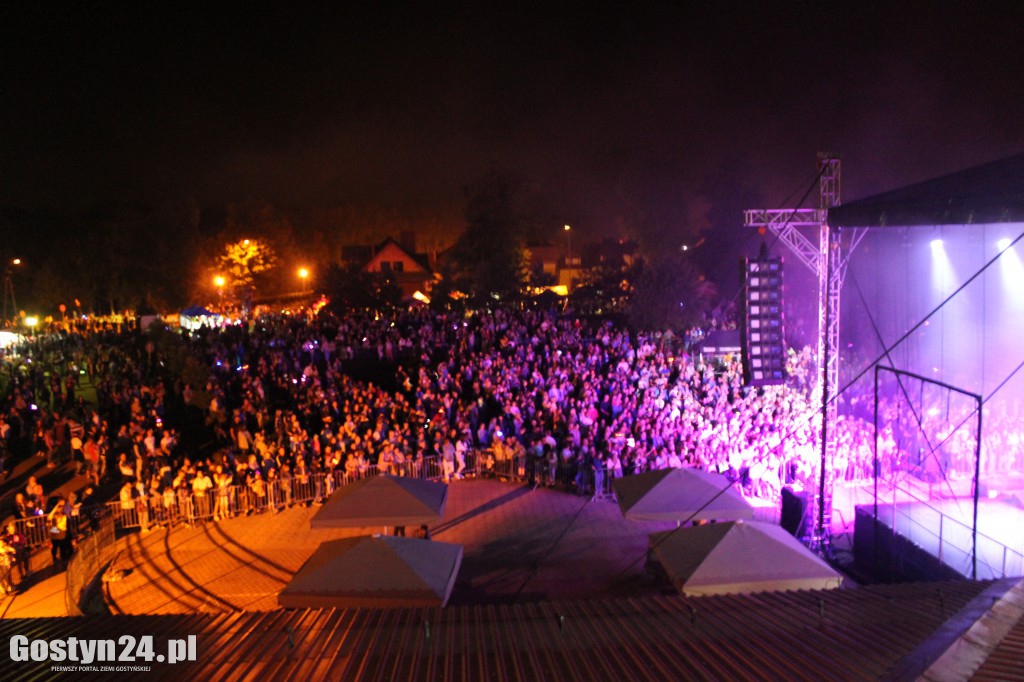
761	322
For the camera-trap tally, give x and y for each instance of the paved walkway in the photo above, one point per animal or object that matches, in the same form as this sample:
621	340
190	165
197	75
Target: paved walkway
42	598
43	593
519	545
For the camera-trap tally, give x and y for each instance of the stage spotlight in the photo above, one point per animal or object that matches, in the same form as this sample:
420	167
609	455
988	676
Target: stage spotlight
1003	244
1011	270
942	269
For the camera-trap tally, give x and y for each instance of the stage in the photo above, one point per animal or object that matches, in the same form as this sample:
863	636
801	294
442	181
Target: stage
942	529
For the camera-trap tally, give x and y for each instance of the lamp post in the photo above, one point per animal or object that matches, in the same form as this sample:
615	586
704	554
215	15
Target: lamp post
9	287
303	274
568	256
219	281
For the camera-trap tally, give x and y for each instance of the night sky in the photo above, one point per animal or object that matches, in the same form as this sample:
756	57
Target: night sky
606	114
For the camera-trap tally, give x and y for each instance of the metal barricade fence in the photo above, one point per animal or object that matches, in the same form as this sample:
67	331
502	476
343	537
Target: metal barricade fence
36	529
565	475
7	574
431	468
90	555
242	500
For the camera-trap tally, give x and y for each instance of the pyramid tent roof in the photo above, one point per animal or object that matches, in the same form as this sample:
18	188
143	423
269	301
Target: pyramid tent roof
739	557
375	571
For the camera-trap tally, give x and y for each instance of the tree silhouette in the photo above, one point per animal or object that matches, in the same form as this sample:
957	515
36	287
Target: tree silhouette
350	288
669	293
491	254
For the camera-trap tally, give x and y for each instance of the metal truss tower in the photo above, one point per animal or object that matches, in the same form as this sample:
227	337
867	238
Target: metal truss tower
828	260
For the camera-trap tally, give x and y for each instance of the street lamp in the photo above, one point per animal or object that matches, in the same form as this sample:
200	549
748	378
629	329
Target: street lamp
303	273
219	281
9	286
568	255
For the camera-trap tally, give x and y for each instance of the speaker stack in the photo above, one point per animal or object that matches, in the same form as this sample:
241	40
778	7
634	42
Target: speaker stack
794	513
761	322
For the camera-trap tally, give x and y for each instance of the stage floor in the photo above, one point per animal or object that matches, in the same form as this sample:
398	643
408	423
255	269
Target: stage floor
942	528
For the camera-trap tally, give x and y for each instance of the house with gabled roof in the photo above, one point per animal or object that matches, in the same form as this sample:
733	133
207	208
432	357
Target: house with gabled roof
398	260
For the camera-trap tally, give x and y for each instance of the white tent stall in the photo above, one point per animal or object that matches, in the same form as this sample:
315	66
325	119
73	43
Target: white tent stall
739	557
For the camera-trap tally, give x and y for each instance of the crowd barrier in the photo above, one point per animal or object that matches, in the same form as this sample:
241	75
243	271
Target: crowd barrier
186	507
95	535
36	529
91	554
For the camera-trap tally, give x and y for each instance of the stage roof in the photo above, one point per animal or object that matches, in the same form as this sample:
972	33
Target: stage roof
991	193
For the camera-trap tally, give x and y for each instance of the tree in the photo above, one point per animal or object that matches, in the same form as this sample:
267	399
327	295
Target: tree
491	254
242	261
606	287
350	288
110	257
669	293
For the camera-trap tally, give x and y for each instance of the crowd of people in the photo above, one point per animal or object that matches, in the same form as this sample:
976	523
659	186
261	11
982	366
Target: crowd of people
551	388
285	400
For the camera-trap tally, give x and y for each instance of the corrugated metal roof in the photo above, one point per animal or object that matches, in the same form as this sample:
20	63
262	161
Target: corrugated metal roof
1000	633
1007	661
855	634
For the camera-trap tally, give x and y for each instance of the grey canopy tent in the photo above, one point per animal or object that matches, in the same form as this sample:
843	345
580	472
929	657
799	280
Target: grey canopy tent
680	495
375	571
739	557
383	501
